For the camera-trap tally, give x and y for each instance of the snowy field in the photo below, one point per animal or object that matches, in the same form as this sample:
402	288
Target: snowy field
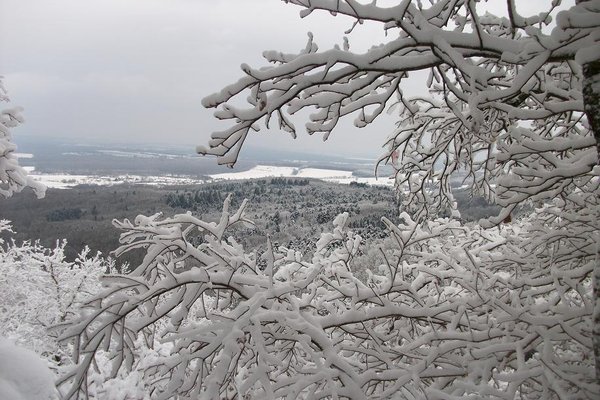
66	181
329	175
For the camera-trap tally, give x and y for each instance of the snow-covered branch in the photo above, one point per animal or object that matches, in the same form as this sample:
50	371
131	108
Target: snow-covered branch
13	178
454	309
487	67
493	83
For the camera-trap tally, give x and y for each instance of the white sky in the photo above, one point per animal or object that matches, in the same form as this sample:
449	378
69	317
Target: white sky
136	70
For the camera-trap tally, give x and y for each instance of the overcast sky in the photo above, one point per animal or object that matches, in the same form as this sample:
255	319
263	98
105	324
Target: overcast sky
136	70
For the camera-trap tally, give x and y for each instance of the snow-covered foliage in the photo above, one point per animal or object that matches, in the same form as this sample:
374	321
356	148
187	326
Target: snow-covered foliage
455	309
500	310
13	178
39	289
487	73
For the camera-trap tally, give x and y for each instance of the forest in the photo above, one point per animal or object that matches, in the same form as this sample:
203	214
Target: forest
379	293
291	210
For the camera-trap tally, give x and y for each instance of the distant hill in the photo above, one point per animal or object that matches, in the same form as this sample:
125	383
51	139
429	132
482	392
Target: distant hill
68	156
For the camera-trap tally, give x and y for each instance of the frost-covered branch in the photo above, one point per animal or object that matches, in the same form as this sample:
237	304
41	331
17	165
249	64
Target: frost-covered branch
13	178
489	78
454	309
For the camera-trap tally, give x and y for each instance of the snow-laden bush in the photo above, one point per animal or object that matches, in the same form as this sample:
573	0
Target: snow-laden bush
39	289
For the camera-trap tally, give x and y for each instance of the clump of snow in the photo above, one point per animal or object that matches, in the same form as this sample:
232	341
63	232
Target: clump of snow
24	375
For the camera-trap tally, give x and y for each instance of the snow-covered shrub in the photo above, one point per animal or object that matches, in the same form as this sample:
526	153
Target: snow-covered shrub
40	289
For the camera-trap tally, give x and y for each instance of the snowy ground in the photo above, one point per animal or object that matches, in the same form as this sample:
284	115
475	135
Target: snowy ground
24	375
66	181
329	175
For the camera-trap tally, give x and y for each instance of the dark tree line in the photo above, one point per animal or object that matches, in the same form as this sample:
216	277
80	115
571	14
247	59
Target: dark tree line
194	200
64	214
289	182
